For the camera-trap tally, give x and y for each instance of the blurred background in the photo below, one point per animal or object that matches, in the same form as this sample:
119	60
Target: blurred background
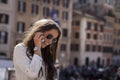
90	45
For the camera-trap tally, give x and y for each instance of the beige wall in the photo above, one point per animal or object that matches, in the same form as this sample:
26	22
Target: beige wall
82	54
7	9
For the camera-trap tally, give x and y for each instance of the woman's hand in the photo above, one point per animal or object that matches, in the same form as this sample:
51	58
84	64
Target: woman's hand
38	39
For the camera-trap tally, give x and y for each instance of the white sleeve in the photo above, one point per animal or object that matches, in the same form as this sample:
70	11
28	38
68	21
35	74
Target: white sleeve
30	69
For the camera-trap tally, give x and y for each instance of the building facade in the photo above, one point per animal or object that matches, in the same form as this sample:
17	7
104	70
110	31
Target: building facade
116	43
117	5
88	32
108	38
87	39
96	7
7	14
103	12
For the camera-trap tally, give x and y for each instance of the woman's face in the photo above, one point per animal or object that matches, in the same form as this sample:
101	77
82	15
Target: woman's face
49	37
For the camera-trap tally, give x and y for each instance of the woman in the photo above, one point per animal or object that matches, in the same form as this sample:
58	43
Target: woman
34	58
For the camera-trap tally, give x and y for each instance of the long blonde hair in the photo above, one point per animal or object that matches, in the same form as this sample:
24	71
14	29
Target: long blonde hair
49	52
37	26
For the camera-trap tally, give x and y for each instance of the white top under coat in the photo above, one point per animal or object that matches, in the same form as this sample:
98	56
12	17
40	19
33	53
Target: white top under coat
26	69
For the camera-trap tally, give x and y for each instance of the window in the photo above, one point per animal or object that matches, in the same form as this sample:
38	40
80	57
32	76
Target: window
4	1
46	12
107	49
56	2
21	6
4	18
77	35
3	37
99	48
34	9
66	3
101	28
88	35
74	47
46	1
2	54
93	48
95	26
77	23
88	25
65	32
63	47
95	36
20	27
65	15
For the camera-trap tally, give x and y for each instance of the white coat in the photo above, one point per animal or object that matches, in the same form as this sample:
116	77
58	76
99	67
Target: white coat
26	69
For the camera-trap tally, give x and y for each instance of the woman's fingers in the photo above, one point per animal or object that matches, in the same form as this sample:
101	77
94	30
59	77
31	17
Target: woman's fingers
38	35
37	38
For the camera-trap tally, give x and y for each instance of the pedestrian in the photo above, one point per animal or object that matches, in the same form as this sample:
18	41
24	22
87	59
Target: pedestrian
118	74
35	56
